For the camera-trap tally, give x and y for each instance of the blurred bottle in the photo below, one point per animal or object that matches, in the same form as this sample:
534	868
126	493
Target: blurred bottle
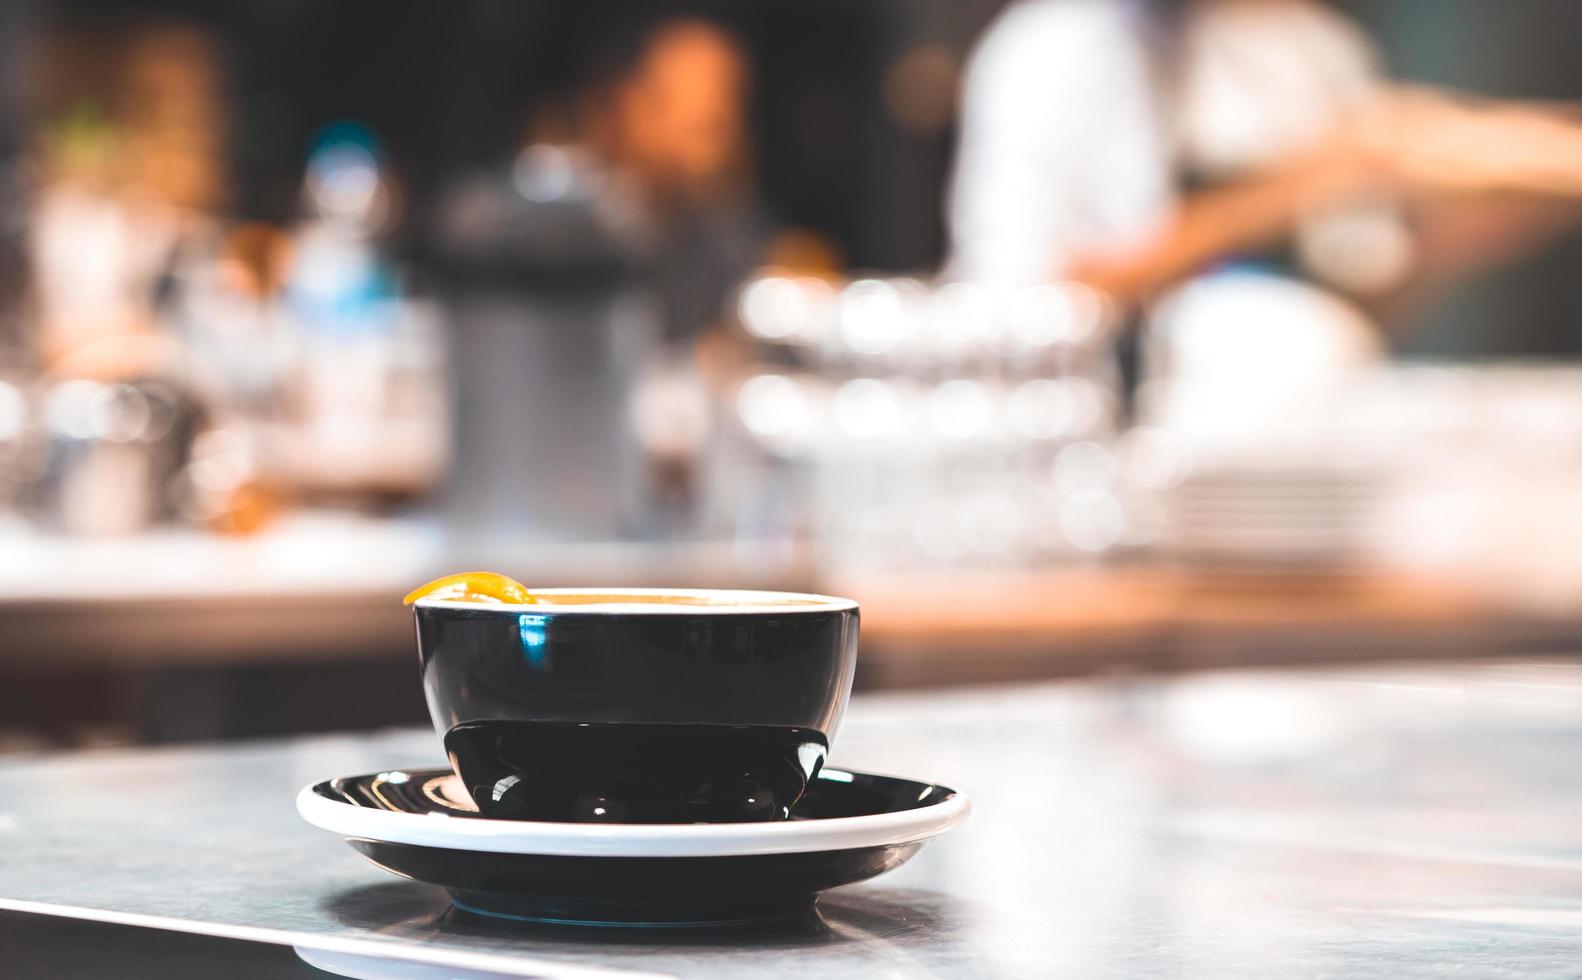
370	392
342	293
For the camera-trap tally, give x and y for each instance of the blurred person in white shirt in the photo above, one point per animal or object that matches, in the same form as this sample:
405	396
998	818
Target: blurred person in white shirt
1136	145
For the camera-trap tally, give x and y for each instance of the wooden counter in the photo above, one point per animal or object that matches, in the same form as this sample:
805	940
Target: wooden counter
328	590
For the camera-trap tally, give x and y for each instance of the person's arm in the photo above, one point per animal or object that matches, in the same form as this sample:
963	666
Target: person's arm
1209	225
1490	182
1497	177
1456	237
1461	144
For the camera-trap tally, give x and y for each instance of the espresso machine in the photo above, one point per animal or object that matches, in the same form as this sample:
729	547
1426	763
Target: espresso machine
543	271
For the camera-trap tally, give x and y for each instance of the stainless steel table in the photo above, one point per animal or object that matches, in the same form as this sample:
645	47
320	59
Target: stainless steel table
1390	822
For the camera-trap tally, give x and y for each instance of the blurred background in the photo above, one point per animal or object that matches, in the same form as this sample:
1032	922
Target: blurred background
1065	335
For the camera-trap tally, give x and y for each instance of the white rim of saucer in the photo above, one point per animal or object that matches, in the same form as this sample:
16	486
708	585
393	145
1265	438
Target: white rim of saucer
731	602
633	840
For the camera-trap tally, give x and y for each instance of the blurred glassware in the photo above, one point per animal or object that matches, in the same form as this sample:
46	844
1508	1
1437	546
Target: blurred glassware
672	421
223	487
907	420
22	450
239	343
112	452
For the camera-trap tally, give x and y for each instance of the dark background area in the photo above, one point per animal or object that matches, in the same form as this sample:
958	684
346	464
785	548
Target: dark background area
451	87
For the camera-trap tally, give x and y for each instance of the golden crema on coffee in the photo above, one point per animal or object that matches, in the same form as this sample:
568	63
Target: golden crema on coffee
492	587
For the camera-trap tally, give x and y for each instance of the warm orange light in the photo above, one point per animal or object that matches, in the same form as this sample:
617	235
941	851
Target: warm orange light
474	586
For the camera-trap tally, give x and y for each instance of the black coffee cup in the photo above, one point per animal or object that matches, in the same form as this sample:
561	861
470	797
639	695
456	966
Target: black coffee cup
638	705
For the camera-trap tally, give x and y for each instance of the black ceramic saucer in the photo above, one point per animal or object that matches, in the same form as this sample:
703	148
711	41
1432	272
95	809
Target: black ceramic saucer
420	824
